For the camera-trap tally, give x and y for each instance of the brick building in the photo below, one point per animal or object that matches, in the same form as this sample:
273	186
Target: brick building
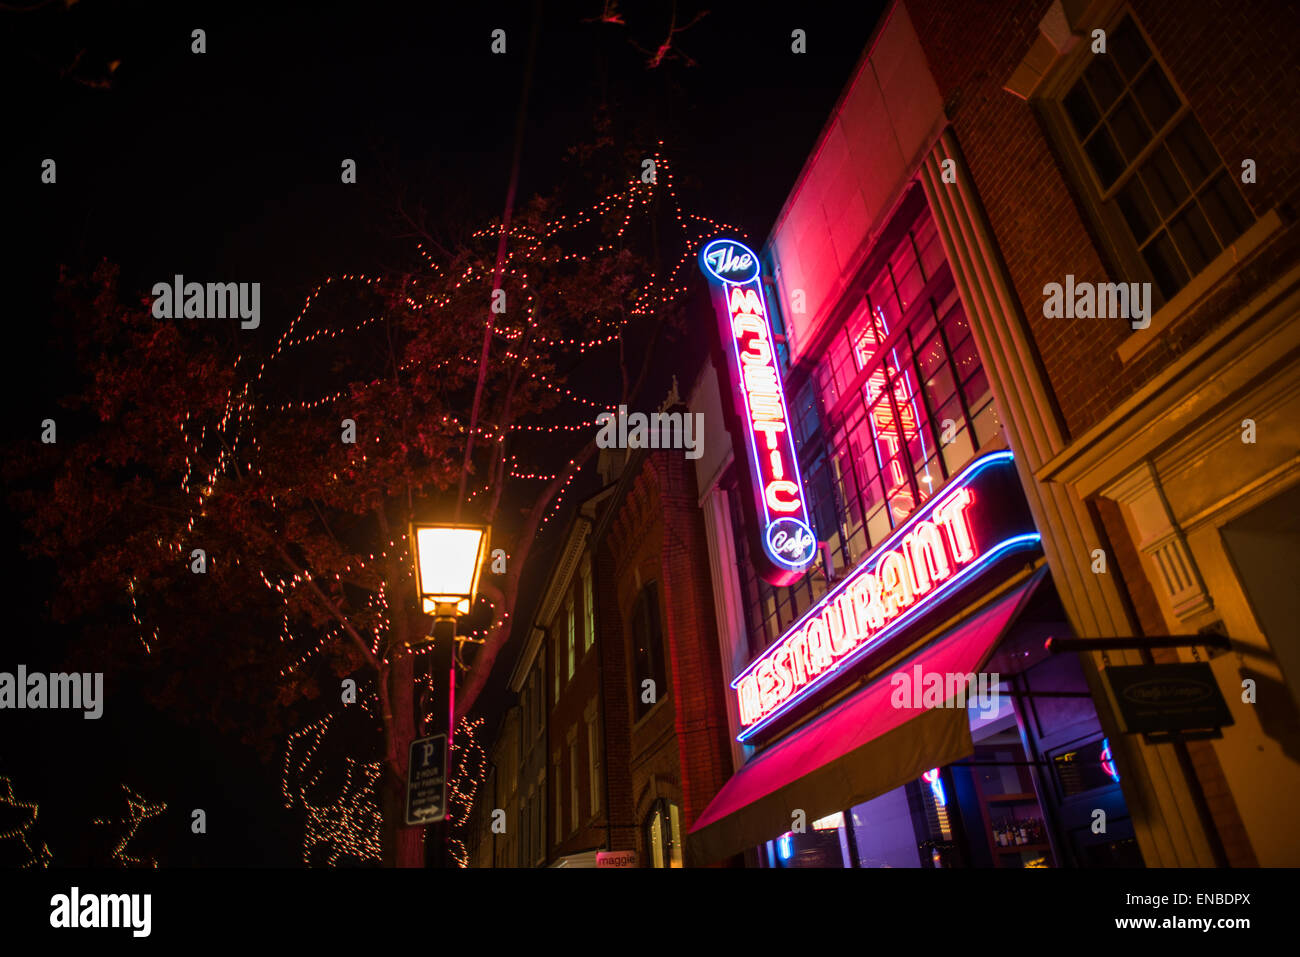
666	717
619	738
1148	428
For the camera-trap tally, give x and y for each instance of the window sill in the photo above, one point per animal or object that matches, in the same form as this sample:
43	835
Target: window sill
638	722
1246	246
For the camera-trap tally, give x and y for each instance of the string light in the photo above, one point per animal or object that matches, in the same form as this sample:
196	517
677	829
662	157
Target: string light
138	810
469	762
22	832
224	446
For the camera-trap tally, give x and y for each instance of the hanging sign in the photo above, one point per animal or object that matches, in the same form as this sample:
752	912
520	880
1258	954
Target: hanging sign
783	543
1168	697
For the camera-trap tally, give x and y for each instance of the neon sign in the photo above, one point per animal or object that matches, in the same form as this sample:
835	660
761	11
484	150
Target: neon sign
954	537
891	446
932	778
1108	761
777	508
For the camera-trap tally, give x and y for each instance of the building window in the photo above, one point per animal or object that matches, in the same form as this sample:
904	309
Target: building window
594	752
647	634
897	402
573	779
588	608
539	678
663	835
559	817
1151	161
568	611
559	651
526	717
540	854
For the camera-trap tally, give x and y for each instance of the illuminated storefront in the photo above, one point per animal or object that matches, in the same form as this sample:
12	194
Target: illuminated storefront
892	703
938	579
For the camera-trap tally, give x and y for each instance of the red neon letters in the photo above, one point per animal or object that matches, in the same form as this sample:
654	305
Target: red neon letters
763	401
931	552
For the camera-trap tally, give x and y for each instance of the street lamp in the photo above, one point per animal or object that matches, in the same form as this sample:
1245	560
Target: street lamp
448	560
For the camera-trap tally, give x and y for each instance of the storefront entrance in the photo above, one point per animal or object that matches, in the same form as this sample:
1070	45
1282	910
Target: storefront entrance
1040	788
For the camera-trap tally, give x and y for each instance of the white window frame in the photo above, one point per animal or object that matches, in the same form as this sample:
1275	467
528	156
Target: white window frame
588	608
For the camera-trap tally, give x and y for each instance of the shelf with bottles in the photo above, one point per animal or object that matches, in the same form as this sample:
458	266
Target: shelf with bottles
1014	834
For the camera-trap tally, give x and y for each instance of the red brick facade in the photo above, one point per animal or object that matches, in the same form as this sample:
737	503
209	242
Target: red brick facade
679	749
1236	64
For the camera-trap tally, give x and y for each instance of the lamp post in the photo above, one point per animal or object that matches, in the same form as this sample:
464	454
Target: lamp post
448	560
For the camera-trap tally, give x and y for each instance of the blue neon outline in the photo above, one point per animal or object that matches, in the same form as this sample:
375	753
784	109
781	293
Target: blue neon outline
767	534
751	433
936	787
708	270
1006	545
961	480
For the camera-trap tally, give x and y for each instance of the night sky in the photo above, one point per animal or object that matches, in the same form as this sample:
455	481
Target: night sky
226	165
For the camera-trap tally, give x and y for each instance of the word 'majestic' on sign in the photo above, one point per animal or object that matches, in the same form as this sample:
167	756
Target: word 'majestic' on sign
943	545
783	543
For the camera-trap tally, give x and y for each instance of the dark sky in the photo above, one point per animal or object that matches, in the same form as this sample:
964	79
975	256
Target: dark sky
226	166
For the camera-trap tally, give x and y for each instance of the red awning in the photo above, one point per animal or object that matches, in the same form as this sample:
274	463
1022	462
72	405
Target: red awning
858	750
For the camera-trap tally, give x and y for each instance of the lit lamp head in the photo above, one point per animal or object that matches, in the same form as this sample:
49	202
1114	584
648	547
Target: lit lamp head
448	559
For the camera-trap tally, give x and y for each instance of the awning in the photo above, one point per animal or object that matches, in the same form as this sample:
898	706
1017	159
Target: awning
858	750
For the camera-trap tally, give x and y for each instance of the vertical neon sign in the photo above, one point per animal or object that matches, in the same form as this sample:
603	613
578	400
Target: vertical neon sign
776	507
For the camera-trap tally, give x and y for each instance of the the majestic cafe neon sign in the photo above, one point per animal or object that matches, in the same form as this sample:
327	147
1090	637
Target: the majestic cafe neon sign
945	544
776	507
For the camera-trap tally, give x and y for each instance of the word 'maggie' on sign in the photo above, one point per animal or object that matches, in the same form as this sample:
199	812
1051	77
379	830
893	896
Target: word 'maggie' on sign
776	508
978	518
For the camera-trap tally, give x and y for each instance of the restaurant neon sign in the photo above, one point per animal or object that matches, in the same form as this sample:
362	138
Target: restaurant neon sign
777	509
944	545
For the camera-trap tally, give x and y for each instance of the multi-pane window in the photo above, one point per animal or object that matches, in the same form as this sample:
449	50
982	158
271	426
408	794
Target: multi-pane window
558	650
1152	160
525	838
593	755
539	695
573	779
663	835
539	815
897	403
588	608
648	652
559	816
568	612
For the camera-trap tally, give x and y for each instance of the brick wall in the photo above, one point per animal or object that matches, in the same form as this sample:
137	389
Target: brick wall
1236	63
679	749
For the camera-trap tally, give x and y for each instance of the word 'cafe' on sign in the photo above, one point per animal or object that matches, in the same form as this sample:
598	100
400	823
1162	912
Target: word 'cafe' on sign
931	553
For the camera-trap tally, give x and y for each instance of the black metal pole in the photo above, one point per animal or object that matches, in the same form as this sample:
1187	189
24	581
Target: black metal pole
444	709
1057	645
